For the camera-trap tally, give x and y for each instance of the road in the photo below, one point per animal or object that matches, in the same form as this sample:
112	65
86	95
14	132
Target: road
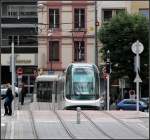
35	123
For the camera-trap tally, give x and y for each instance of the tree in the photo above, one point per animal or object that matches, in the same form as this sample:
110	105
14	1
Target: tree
118	35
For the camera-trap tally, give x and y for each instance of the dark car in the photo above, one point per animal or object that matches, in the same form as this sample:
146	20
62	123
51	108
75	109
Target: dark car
130	104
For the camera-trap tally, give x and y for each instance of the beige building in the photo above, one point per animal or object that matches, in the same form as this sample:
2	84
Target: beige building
108	9
137	6
141	7
66	34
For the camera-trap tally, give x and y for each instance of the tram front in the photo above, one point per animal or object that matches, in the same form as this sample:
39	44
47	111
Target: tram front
82	86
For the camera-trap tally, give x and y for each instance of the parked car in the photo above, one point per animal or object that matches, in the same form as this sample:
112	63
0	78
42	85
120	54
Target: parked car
130	104
145	99
4	89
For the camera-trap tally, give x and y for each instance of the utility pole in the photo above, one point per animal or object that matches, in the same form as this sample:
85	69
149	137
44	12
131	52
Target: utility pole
0	39
96	51
108	77
13	71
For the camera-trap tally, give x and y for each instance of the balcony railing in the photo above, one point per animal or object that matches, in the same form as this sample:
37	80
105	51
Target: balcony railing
20	42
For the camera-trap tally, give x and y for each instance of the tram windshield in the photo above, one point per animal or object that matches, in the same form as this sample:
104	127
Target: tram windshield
83	83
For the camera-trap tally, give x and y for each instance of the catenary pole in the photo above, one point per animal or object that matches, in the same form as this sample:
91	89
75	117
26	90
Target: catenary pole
13	72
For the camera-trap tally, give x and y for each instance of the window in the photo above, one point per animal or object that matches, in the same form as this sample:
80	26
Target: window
27	40
130	102
22	10
118	11
23	40
79	18
53	18
54	50
144	12
79	51
13	38
109	13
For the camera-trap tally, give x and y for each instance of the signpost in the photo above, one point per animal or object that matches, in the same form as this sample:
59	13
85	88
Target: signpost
19	73
137	48
13	72
108	76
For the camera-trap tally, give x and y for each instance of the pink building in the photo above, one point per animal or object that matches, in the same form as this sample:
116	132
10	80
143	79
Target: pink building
66	34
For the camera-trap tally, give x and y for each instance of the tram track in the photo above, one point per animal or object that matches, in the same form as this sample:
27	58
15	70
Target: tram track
33	125
95	125
124	124
64	125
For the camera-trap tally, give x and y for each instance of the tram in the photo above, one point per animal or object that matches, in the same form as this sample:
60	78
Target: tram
47	85
81	86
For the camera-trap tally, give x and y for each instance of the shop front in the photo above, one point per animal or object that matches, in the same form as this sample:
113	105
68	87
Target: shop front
26	62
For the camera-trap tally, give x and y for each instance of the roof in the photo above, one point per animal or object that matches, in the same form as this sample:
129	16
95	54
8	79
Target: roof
54	77
82	64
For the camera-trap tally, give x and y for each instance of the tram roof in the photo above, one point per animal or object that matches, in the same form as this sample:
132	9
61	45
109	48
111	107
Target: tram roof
47	77
82	64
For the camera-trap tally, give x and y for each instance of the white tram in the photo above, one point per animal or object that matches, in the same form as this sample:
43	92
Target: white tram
82	86
47	85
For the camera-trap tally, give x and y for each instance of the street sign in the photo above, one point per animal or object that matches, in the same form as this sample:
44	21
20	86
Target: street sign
137	78
19	71
137	47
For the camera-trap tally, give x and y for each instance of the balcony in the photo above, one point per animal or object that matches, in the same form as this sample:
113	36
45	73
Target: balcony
20	41
19	14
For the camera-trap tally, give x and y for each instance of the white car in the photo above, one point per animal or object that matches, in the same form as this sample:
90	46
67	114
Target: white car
4	89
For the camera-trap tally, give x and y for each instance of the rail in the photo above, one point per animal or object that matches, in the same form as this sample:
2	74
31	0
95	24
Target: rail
96	126
124	124
64	125
33	125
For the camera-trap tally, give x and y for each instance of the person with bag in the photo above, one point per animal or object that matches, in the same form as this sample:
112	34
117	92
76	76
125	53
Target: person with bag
8	100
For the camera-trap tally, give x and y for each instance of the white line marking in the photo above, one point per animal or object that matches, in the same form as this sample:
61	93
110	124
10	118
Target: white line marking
12	130
142	126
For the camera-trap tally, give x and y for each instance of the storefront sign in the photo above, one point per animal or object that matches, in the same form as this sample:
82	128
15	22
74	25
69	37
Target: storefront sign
21	59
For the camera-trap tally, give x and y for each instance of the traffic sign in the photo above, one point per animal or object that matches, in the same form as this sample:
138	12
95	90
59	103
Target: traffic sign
19	71
137	47
137	78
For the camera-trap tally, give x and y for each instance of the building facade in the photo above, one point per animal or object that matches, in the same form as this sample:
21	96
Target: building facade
66	34
141	7
19	19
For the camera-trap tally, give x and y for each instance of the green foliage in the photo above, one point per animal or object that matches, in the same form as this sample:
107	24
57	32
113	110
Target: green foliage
118	35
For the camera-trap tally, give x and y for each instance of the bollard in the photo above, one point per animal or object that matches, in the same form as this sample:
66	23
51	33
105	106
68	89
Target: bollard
78	115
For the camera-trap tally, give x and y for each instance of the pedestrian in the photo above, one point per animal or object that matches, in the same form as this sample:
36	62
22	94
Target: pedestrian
23	92
8	100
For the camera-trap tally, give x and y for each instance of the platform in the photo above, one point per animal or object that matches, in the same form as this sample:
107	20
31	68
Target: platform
62	124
